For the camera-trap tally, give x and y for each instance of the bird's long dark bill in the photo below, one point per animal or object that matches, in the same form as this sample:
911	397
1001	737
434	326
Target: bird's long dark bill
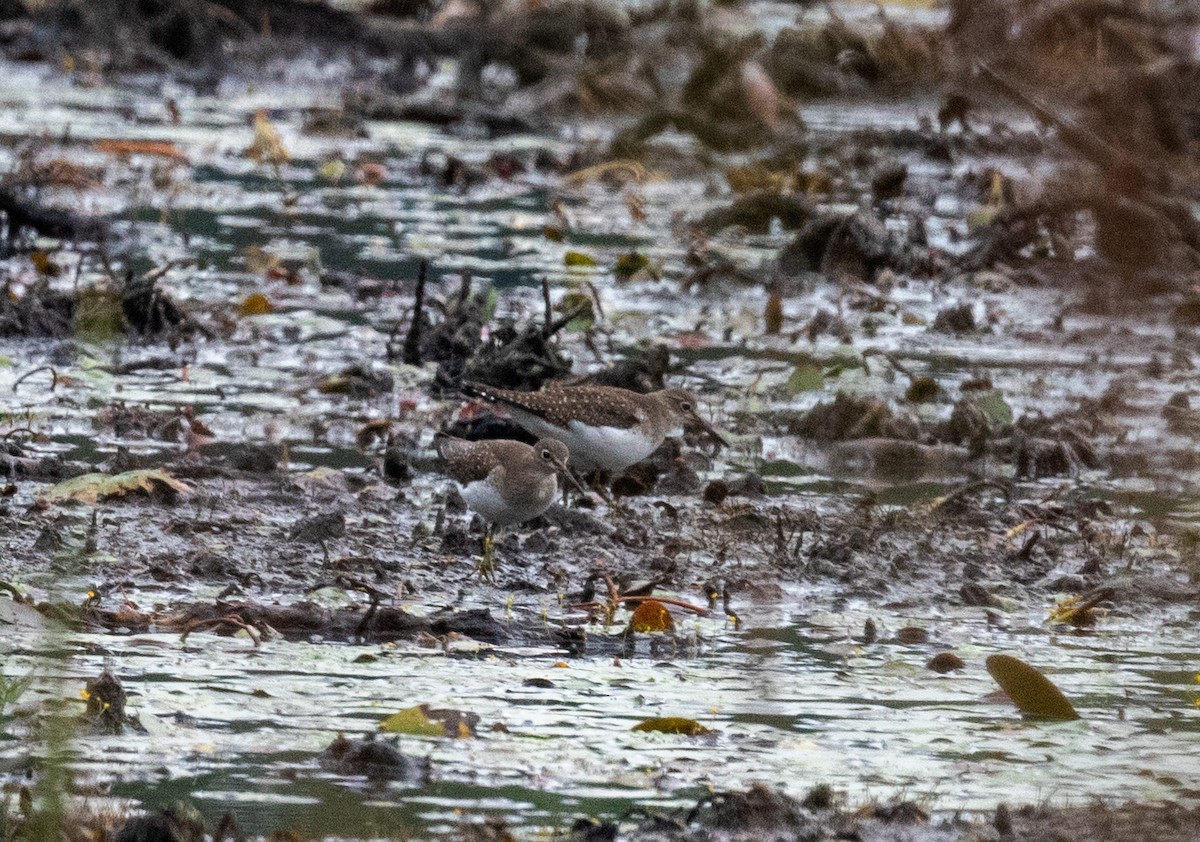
566	472
710	429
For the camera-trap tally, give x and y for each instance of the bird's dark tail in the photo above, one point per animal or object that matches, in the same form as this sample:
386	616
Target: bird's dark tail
478	390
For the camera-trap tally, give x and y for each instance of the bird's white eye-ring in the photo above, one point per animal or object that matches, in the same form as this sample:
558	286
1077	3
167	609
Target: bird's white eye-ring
547	455
685	406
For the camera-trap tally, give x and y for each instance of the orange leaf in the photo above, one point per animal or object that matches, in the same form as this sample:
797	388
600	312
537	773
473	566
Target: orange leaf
156	148
651	616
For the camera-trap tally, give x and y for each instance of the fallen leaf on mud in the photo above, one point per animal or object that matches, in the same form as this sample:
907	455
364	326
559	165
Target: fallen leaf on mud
578	258
155	148
630	264
267	147
672	725
90	488
256	304
651	616
1029	690
773	314
424	721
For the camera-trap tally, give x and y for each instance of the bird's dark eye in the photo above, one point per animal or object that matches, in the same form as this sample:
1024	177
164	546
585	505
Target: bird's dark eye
685	406
547	455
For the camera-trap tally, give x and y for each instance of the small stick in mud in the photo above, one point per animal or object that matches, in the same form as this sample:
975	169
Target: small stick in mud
254	634
412	342
30	373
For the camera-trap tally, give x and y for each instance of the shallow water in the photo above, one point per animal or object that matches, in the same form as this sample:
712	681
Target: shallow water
794	700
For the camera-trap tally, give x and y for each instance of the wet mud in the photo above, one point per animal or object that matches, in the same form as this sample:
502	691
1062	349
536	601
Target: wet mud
939	297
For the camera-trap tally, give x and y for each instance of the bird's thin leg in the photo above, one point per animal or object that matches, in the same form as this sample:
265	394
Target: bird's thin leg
487	564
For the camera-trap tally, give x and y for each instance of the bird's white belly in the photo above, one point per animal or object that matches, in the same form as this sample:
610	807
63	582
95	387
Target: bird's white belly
484	498
609	448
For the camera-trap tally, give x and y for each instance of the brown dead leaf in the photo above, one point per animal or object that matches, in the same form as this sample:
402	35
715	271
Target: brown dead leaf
267	146
153	148
91	488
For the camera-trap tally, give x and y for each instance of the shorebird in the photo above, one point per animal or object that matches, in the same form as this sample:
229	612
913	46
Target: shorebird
603	426
505	482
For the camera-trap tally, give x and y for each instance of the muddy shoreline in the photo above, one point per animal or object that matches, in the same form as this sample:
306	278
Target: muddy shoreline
252	253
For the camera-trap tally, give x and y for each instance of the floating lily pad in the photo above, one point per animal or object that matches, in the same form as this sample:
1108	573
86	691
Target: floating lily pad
1030	691
672	725
424	721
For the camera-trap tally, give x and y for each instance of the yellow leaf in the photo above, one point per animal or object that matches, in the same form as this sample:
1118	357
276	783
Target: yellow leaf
651	616
412	721
672	725
91	488
256	304
578	258
424	721
333	170
1019	528
1030	691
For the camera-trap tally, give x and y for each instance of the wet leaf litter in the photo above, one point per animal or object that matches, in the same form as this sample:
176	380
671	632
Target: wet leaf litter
219	441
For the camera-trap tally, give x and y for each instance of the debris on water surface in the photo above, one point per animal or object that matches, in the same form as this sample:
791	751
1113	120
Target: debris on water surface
672	725
377	759
105	714
423	720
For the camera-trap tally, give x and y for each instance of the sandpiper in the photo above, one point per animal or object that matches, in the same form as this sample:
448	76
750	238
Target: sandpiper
603	426
506	482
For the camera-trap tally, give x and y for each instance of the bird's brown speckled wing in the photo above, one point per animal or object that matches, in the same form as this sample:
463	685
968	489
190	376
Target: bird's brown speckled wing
472	461
600	406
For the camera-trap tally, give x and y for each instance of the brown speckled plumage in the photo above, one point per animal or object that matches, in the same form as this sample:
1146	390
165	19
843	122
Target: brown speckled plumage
603	426
505	481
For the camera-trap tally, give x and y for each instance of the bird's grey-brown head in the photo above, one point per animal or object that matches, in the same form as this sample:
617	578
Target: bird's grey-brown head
552	453
683	406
